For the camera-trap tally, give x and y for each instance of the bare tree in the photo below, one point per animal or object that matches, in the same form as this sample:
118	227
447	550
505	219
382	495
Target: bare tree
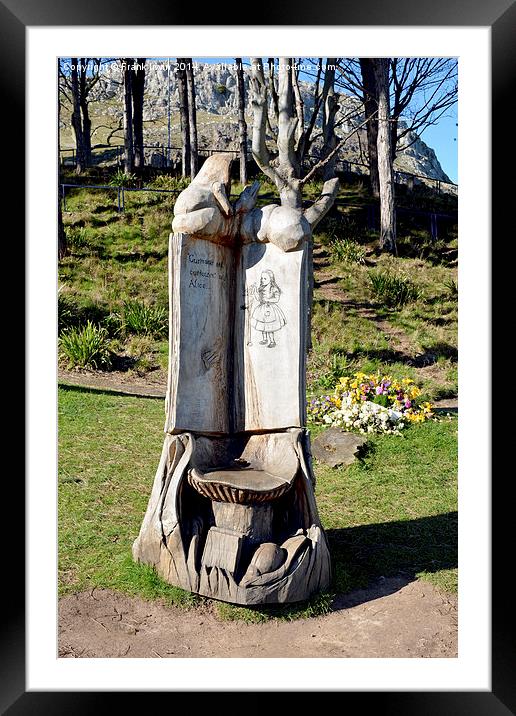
385	168
75	84
192	117
62	247
242	126
370	98
423	89
180	73
138	87
329	112
128	115
76	118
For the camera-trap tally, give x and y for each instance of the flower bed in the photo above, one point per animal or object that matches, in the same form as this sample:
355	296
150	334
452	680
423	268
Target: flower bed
371	404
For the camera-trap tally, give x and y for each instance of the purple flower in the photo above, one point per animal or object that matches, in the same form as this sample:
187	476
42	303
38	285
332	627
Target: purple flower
407	403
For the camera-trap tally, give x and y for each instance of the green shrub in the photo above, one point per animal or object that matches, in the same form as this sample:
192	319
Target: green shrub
85	347
120	178
142	319
391	290
452	288
347	250
164	181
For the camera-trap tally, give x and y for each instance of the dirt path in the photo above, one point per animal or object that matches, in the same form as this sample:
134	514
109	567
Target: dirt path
392	619
116	381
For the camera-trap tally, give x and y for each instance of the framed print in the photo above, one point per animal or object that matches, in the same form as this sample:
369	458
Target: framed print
34	36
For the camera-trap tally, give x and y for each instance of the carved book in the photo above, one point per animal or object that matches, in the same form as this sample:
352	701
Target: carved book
237	337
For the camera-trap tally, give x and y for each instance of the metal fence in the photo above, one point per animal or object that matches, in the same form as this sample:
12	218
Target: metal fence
372	211
169	157
120	192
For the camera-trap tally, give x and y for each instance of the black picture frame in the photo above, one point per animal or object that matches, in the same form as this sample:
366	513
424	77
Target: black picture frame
500	16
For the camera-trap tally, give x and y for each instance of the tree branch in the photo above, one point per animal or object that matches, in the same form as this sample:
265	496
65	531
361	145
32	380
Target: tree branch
330	156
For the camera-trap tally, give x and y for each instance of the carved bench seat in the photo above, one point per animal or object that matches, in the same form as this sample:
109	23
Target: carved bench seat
238	484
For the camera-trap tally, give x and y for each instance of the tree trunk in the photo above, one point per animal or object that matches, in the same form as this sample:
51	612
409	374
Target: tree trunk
86	121
370	107
192	118
385	170
76	119
242	126
183	116
394	137
138	86
62	246
330	110
128	116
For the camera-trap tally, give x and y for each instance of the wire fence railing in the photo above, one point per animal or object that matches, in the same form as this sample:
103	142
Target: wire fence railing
120	192
161	156
434	220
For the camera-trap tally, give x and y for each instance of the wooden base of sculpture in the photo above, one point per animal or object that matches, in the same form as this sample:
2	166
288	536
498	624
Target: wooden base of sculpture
245	532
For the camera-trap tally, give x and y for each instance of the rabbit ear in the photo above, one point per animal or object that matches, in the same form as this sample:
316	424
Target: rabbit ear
219	192
317	211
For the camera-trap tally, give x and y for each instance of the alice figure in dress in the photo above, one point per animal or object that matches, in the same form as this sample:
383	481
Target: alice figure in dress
267	316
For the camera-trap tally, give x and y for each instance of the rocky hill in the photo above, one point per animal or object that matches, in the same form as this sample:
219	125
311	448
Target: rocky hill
216	99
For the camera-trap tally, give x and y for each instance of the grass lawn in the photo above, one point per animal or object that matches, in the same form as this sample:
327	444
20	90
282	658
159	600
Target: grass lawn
393	512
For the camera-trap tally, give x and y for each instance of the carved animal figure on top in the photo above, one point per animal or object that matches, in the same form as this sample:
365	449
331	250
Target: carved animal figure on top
203	208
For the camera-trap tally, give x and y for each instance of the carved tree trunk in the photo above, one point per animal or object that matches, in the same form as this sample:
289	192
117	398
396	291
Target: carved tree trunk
371	108
128	117
299	105
76	118
385	169
272	87
183	116
232	512
138	86
288	166
242	126
192	118
286	172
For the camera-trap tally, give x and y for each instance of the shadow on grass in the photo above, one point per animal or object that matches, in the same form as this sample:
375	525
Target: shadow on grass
117	389
373	560
429	357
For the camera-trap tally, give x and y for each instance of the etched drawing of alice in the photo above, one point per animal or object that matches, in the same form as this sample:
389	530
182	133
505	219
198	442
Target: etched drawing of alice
267	317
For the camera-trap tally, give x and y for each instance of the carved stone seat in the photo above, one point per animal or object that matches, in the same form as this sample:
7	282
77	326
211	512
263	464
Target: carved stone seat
239	484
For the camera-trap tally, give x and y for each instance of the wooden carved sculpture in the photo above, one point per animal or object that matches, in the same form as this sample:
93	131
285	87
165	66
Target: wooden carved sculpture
232	512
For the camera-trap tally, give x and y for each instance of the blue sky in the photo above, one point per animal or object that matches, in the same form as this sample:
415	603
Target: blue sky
441	137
